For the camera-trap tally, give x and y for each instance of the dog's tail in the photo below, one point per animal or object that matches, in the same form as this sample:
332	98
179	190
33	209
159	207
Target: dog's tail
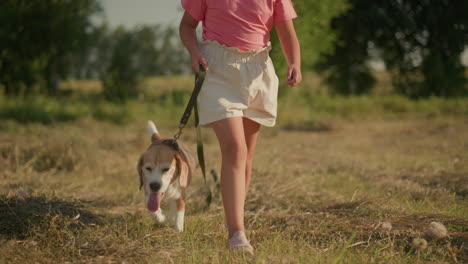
153	131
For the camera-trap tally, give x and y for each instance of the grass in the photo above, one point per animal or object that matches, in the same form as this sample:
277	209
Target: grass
324	180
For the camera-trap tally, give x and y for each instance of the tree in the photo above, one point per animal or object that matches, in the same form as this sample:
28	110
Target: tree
347	70
420	42
37	38
174	58
138	53
314	32
434	33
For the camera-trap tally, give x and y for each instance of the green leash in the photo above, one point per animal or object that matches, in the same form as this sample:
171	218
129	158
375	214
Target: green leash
199	79
200	152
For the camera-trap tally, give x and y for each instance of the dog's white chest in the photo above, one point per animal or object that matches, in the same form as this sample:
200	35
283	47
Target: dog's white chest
173	191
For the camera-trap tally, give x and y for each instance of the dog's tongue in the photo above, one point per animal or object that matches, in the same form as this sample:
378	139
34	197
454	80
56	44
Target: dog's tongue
154	201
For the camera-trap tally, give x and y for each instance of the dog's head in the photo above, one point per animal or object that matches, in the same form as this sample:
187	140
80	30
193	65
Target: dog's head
161	165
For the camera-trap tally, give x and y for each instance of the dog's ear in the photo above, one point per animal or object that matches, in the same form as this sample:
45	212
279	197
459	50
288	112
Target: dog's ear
155	137
153	131
183	171
140	170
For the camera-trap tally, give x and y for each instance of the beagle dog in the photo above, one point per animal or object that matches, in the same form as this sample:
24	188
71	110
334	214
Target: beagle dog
165	170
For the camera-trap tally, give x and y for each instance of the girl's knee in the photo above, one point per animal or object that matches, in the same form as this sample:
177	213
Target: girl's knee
234	150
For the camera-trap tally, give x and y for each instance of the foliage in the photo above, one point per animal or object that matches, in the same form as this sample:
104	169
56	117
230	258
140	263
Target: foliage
437	32
139	53
347	68
299	109
37	38
43	42
122	74
313	29
420	42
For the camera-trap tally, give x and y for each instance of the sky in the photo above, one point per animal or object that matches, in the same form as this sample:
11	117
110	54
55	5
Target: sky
131	13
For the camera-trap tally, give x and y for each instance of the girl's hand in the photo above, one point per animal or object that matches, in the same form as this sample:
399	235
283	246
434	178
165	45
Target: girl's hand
294	76
197	59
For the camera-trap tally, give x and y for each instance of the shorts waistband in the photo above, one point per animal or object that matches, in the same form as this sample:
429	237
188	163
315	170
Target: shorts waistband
216	53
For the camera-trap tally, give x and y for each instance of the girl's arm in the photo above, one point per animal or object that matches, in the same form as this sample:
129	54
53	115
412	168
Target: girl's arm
291	50
187	28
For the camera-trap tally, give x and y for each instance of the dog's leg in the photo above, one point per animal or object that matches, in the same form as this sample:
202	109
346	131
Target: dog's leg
172	211
158	216
179	216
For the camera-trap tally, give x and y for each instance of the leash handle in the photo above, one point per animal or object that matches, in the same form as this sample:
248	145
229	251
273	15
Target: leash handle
200	66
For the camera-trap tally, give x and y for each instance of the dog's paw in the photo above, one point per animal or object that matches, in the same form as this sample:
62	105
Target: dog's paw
179	221
158	217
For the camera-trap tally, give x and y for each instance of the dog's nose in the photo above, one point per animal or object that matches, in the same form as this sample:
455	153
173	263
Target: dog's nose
154	186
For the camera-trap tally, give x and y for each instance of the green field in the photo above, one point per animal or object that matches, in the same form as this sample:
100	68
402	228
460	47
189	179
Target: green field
325	180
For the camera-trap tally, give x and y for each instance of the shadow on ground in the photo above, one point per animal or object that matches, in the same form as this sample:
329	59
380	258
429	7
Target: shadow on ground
21	217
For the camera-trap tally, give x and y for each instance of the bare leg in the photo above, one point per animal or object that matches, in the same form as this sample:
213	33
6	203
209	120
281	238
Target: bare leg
251	131
230	134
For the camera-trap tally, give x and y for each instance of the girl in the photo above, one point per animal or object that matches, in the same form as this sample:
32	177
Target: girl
240	89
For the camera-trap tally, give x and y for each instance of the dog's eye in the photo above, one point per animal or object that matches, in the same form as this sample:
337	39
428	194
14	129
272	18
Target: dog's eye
148	169
165	170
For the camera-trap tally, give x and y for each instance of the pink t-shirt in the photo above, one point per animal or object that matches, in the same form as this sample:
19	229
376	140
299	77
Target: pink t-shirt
244	24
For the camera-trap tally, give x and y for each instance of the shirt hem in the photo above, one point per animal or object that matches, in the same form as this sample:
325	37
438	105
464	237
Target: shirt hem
236	49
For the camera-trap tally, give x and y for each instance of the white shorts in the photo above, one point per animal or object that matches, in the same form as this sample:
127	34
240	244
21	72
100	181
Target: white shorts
238	83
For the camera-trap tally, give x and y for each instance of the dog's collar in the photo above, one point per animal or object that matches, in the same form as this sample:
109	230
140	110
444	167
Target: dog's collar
171	142
168	142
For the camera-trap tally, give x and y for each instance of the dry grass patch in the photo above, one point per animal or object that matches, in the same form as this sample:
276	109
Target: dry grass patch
69	192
